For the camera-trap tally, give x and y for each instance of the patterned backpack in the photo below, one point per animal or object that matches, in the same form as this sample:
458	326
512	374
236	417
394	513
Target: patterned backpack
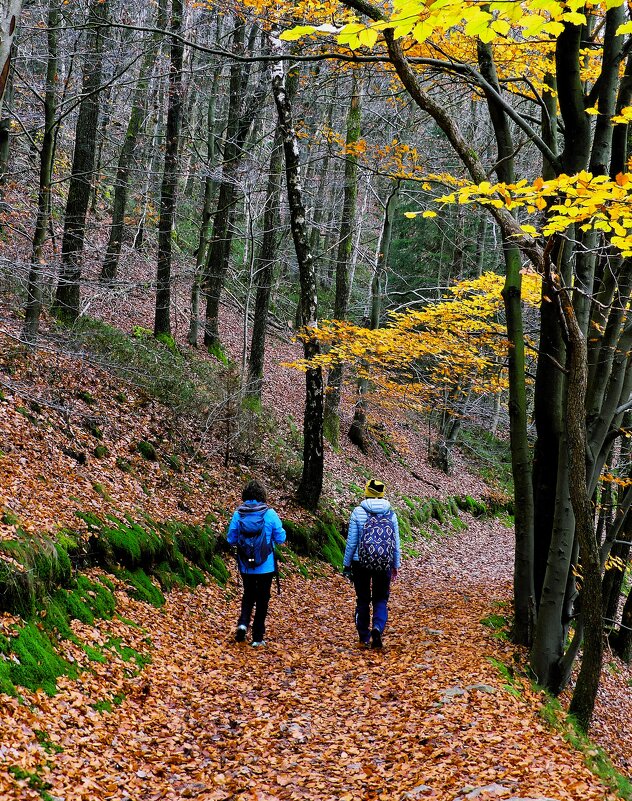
376	547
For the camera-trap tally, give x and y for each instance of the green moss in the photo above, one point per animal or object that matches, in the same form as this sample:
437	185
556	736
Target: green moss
86	397
38	665
34	780
595	757
9	518
102	491
146	450
219	570
498	624
126	653
34	566
94	654
141	333
93	427
141	587
101	452
174	463
124	465
6	684
47	744
168	341
25	413
218	351
85	601
474	507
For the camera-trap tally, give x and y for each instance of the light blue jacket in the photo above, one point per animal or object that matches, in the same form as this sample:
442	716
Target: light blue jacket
356	524
274	533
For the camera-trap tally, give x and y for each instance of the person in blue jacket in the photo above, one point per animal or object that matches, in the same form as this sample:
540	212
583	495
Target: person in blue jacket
258	566
372	587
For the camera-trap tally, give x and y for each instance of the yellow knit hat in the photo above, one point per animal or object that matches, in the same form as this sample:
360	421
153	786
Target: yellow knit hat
374	489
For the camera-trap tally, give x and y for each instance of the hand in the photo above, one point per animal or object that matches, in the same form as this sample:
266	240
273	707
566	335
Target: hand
347	573
394	574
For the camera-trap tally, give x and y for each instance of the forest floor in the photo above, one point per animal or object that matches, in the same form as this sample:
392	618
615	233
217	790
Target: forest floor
442	712
312	715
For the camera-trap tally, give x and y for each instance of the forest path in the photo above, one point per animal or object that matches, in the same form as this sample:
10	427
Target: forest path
314	716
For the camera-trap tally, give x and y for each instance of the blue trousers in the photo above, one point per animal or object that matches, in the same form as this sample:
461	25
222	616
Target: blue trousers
372	589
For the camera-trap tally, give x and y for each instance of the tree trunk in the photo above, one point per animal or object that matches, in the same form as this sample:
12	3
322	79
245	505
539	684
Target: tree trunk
168	192
241	114
205	223
622	643
34	288
358	432
264	268
524	602
121	183
311	482
10	11
331	423
67	296
585	694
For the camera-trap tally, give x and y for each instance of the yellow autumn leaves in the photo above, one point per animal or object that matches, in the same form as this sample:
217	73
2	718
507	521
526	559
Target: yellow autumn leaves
450	347
421	19
590	201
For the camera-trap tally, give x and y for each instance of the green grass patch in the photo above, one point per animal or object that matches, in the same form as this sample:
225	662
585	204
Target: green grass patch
508	676
498	624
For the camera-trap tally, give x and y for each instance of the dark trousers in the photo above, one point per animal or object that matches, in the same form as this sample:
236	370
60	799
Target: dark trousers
372	588
256	594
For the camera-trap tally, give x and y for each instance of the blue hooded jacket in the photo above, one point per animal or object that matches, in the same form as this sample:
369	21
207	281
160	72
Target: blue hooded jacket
356	524
273	528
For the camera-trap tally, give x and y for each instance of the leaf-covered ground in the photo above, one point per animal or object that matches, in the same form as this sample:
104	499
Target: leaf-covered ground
311	715
437	714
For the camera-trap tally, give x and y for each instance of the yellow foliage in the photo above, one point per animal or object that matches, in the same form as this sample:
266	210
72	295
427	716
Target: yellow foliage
449	348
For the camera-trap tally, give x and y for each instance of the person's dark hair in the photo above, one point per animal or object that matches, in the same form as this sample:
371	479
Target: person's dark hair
254	491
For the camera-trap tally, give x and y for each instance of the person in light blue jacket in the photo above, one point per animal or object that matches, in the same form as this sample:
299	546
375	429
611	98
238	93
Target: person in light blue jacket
255	529
372	586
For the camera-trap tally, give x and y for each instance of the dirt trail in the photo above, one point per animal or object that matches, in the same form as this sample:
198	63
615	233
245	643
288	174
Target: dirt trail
312	715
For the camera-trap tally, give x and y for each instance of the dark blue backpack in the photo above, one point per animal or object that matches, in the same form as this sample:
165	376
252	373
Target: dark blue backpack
253	546
376	547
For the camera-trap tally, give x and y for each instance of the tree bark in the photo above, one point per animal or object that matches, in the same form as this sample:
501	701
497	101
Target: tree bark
358	432
34	287
121	183
524	593
169	189
10	11
331	423
311	483
264	268
67	297
241	115
206	216
585	694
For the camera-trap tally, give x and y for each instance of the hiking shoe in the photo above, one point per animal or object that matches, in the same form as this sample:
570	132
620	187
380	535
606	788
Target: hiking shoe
257	643
376	638
240	634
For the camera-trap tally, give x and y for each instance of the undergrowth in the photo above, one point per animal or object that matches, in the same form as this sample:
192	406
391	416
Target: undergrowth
177	379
